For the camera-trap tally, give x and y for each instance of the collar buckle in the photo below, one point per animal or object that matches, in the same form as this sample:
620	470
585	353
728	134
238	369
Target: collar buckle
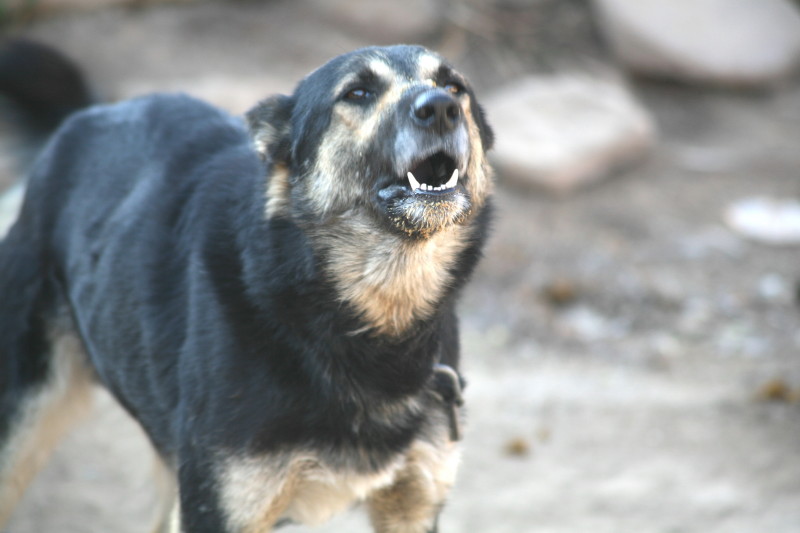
447	387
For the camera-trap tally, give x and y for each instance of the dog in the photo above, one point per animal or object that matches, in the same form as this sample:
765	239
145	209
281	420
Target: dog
272	299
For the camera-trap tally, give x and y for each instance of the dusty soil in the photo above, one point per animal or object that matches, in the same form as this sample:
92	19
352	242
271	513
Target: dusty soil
617	341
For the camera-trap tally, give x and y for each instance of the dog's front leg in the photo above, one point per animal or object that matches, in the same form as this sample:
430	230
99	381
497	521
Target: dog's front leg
400	509
408	506
413	502
200	508
237	493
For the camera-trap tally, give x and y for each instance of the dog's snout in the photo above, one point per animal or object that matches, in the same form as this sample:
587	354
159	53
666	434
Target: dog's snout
437	110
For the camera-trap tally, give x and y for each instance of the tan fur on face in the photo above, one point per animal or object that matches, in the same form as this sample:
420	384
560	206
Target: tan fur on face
332	188
278	191
365	129
427	66
481	182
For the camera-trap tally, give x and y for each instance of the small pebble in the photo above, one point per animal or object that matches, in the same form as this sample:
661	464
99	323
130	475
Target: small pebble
518	447
777	390
767	220
560	292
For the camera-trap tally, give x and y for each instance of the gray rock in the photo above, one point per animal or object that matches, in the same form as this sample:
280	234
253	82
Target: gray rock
560	132
775	289
767	220
728	42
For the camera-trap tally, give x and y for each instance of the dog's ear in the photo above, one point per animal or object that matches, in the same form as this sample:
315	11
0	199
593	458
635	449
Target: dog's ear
270	126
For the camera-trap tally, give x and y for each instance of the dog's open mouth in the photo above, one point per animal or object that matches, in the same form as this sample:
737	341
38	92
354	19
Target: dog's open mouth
430	197
437	173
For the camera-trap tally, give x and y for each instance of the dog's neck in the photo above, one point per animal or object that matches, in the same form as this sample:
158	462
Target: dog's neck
389	280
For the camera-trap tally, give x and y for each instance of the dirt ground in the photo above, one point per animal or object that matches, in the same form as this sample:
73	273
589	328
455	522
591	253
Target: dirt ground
617	341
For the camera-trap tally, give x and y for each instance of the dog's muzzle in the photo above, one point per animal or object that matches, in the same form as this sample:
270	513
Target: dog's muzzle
435	113
432	151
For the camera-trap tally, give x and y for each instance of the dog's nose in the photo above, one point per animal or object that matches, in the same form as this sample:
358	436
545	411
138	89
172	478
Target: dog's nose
437	110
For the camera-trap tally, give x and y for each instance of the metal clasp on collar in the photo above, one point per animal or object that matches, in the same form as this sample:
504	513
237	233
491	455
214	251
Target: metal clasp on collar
447	388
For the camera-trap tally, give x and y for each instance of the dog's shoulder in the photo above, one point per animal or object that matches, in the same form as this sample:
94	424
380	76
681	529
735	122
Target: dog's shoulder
157	118
148	172
159	138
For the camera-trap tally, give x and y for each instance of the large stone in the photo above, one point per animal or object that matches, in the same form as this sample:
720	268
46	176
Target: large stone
563	131
729	42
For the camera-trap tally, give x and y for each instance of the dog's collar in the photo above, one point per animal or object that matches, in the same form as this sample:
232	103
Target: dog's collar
447	387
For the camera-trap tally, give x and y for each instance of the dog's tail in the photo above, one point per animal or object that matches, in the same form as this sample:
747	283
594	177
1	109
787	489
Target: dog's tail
41	87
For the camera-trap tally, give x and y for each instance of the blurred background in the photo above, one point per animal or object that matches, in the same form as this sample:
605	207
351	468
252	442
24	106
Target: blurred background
631	338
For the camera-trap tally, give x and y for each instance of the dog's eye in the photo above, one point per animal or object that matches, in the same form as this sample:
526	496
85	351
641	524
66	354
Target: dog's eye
358	94
453	88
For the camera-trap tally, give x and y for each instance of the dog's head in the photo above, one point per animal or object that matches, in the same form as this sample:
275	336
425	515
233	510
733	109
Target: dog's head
394	132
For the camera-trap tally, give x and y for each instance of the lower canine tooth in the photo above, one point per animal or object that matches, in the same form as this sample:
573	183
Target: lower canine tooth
453	180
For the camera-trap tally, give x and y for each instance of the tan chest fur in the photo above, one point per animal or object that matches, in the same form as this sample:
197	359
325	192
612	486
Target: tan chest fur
259	491
391	281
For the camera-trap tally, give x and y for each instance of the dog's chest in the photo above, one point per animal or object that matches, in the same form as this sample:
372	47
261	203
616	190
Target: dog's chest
322	493
259	491
299	487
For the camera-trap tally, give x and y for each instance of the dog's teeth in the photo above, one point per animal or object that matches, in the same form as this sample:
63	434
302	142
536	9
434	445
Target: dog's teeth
453	180
413	181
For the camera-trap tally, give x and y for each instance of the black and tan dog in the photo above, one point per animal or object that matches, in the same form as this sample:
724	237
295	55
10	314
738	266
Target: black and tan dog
275	307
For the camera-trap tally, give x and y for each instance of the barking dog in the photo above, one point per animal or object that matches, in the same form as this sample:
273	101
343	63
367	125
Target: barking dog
273	304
